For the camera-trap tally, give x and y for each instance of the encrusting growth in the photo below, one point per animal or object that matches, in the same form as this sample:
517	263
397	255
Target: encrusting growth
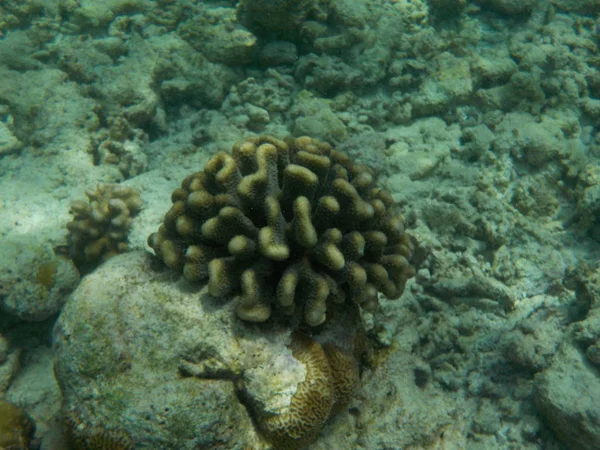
286	225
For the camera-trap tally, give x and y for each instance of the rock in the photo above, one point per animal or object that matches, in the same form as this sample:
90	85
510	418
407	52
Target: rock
278	53
34	281
283	18
175	360
510	7
580	6
8	142
138	339
567	395
450	83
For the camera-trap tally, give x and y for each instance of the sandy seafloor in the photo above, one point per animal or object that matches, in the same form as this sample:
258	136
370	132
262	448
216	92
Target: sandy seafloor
480	116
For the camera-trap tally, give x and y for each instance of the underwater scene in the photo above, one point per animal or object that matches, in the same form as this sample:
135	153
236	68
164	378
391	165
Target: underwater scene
300	224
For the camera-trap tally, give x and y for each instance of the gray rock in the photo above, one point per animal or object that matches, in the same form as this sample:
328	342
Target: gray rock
139	352
278	53
326	74
315	118
580	6
34	282
511	7
8	142
216	33
567	395
125	338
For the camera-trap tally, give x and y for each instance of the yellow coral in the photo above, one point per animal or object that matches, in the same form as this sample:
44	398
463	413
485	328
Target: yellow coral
289	226
46	274
344	374
100	227
16	427
331	379
81	437
312	403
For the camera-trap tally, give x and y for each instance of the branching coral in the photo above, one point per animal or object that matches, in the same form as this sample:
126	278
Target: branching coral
100	227
286	225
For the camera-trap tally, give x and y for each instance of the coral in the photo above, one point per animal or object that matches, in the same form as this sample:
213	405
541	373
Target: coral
122	145
100	227
331	379
16	427
344	374
46	274
311	404
80	437
288	225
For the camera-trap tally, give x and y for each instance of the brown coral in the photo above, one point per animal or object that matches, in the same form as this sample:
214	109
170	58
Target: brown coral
16	427
331	379
100	226
312	403
286	225
81	437
344	374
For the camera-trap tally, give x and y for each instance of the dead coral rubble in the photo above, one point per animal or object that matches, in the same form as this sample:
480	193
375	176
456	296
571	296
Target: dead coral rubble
289	225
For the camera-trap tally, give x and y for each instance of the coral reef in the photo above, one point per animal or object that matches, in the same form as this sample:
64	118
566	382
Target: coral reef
80	437
16	427
331	379
310	406
122	146
482	115
344	374
569	407
217	34
297	222
99	227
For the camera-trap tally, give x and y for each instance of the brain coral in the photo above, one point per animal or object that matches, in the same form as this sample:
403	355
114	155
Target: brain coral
331	379
100	227
286	225
81	437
